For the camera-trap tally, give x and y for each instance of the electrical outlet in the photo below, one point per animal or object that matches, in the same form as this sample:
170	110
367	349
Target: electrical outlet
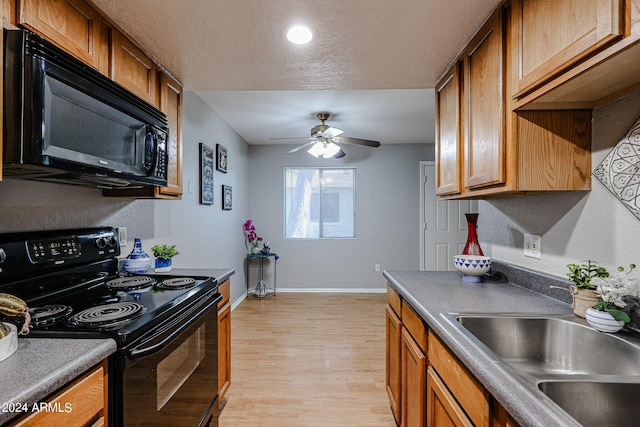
532	246
122	235
377	267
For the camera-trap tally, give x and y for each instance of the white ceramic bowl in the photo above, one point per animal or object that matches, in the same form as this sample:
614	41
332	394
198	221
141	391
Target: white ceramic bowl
472	265
9	344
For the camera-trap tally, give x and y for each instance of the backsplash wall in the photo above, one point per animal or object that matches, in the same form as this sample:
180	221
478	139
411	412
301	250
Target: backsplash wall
574	226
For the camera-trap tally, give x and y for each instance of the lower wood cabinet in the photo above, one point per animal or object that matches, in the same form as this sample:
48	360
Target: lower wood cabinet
442	408
81	403
393	364
414	382
406	362
426	383
224	340
471	396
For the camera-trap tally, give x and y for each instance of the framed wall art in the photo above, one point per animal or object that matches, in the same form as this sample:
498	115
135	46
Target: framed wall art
227	198
206	175
221	154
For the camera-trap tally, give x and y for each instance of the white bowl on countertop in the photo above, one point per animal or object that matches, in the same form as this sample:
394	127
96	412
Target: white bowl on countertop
9	344
472	266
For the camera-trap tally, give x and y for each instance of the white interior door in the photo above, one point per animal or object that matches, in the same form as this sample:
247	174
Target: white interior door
443	226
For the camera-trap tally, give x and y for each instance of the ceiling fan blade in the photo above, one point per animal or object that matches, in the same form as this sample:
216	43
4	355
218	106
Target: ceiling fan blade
340	154
331	132
302	146
358	141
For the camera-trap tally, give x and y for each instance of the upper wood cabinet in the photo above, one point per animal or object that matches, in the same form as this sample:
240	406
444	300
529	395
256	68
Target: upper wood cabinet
134	70
171	105
484	104
449	132
71	24
553	35
583	54
506	151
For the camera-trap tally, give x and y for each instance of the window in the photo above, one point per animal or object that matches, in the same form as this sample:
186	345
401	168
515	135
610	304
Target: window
319	203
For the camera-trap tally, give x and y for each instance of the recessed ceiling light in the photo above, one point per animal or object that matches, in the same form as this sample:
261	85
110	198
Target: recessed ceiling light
299	34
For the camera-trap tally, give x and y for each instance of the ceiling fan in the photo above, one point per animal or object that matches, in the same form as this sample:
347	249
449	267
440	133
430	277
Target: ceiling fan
325	139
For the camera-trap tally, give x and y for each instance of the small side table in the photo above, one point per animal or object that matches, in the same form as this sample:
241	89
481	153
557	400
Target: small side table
262	289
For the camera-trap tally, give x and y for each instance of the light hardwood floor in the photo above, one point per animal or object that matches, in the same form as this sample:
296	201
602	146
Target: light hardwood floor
308	360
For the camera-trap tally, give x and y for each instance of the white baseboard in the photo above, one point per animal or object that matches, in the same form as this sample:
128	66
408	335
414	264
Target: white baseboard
334	290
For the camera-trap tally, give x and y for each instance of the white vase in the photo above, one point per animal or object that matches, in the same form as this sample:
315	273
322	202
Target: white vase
603	321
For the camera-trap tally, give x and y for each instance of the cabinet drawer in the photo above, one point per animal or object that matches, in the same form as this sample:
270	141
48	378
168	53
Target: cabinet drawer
442	408
225	290
394	301
413	323
470	394
84	400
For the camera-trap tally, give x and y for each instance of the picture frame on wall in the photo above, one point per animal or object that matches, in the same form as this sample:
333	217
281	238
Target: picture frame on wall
206	174
221	154
227	198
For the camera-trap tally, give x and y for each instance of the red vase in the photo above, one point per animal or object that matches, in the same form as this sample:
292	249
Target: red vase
473	246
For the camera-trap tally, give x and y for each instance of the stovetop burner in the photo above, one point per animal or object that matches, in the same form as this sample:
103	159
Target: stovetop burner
108	315
130	283
49	314
177	283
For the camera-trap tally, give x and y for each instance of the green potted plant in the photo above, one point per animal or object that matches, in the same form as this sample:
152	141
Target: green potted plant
164	255
583	291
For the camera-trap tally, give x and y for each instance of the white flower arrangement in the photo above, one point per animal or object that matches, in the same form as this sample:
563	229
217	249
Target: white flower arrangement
611	290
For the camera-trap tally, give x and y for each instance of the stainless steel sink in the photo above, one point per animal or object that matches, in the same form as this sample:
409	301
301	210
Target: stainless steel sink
592	376
596	403
553	345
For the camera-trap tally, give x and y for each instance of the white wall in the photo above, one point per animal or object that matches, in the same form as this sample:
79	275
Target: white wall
387	216
574	226
207	236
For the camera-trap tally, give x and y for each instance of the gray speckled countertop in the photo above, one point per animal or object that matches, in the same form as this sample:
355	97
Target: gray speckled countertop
41	366
431	294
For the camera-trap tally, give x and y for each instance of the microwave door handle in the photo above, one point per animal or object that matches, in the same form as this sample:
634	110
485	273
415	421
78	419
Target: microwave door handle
154	138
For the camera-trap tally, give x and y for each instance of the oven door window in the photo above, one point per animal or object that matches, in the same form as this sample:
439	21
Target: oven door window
175	369
81	129
176	385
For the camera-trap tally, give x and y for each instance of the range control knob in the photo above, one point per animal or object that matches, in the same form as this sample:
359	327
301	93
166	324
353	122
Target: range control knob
111	242
101	242
3	256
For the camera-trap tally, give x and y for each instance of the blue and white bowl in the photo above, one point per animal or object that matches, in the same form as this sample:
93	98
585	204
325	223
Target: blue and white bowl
603	321
472	266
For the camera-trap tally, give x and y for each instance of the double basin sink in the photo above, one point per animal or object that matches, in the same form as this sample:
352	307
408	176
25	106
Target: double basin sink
592	376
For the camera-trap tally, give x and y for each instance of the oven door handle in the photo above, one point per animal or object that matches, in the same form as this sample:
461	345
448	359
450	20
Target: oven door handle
138	352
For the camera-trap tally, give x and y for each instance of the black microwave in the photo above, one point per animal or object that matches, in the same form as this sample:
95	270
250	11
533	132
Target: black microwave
66	122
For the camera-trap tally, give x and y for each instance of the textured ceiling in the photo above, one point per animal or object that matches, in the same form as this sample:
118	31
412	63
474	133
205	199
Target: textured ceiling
370	63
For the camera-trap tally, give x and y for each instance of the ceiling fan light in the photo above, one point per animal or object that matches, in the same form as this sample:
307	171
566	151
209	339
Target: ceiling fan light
316	149
299	34
330	150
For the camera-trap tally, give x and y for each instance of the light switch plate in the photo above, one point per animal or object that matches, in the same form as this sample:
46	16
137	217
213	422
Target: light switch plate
122	235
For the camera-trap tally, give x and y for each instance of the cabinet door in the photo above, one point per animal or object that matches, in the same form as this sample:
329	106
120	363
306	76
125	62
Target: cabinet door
414	383
171	105
448	133
552	35
393	372
134	70
484	117
71	24
224	350
442	408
